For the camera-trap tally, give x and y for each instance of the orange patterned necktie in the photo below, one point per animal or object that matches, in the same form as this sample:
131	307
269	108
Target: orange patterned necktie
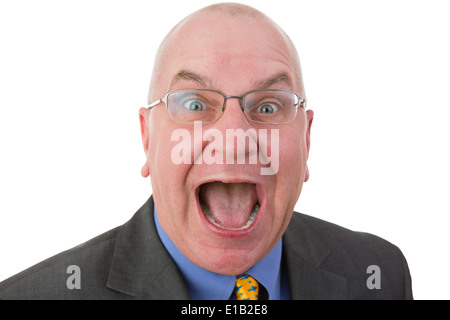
246	288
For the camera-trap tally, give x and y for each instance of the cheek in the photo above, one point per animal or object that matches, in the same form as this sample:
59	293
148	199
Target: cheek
292	151
161	129
168	177
290	177
157	150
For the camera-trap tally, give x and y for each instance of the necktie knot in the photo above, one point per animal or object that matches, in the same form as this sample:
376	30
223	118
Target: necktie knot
247	288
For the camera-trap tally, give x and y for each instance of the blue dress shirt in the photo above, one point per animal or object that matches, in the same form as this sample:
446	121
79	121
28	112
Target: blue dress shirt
206	285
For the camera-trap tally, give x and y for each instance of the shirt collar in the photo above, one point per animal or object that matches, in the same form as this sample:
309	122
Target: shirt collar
206	285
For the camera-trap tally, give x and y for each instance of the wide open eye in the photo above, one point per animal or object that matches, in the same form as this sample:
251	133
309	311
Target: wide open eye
195	105
267	108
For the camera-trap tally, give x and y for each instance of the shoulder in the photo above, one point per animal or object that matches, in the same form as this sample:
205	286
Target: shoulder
354	256
341	239
51	278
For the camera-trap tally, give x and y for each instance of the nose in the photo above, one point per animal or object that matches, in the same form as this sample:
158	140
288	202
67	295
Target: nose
240	137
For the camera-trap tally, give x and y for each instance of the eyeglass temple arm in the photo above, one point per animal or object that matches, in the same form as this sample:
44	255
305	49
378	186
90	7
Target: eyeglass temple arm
153	104
302	102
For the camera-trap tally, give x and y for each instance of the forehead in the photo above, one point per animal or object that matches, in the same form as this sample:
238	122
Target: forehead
238	50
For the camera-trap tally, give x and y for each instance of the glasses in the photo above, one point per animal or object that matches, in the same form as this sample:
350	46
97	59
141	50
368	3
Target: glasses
261	106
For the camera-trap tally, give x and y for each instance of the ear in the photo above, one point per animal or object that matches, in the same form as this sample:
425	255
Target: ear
143	119
309	120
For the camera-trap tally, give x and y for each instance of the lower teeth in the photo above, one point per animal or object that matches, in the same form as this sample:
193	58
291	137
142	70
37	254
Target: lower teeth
252	217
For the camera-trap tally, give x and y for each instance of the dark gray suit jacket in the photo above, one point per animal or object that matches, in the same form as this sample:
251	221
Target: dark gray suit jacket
323	261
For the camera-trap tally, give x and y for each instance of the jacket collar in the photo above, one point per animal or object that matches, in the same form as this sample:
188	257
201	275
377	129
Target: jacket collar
304	251
141	266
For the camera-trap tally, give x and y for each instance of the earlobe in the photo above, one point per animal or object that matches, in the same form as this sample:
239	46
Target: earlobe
145	171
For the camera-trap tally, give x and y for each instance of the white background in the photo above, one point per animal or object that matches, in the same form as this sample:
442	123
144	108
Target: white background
73	75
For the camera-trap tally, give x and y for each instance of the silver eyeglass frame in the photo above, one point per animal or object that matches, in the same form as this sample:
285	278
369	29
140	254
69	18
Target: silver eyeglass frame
300	101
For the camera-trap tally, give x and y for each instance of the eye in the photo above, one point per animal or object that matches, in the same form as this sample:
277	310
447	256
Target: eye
195	105
267	108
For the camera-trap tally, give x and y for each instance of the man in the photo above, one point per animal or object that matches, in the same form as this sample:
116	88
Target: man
227	136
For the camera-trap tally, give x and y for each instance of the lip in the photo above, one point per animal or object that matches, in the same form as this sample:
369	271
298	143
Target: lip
261	194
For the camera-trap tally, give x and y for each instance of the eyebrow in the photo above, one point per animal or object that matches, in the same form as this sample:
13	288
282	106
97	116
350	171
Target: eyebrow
281	77
191	76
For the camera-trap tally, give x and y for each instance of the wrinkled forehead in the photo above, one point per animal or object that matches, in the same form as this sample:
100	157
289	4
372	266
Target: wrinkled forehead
225	47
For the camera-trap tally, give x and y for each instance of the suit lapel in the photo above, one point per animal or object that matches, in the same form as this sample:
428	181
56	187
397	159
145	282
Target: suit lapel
303	253
141	267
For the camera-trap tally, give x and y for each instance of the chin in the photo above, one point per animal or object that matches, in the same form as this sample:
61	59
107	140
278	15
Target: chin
230	261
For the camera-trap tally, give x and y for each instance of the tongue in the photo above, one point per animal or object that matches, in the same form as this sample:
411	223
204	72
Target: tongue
231	204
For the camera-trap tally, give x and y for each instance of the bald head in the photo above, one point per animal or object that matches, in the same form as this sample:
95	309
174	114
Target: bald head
208	23
233	9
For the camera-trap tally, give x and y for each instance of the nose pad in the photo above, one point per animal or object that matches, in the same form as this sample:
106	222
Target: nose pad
235	107
233	97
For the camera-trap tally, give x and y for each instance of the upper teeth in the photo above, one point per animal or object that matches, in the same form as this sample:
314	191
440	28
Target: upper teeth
252	217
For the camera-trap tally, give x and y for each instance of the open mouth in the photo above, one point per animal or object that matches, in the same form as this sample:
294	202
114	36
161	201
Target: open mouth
230	206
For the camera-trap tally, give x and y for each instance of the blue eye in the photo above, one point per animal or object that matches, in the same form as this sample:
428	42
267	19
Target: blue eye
195	105
267	108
